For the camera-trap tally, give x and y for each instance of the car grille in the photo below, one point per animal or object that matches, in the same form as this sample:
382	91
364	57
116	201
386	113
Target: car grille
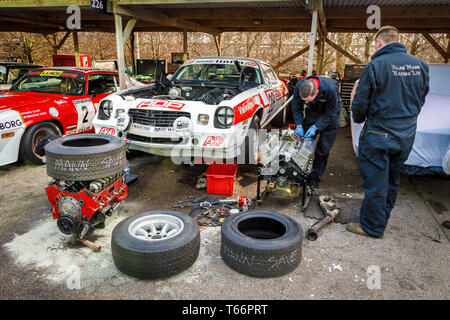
134	137
156	118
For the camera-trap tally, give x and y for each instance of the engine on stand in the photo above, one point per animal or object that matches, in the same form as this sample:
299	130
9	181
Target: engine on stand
286	161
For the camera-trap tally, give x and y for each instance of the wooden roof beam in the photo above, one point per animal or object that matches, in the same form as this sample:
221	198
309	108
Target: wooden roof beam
32	22
165	20
289	59
435	45
242	13
389	12
344	52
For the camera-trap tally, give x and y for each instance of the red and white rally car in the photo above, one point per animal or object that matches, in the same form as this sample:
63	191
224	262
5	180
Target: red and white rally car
207	109
47	101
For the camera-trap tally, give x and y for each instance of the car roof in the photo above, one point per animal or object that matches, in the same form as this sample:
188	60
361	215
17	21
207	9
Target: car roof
86	70
231	58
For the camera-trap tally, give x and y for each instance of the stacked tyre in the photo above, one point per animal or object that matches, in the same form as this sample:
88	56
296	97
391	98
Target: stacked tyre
85	157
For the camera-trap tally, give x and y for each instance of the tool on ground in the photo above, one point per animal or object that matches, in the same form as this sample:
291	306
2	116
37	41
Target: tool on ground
286	161
213	213
243	201
331	210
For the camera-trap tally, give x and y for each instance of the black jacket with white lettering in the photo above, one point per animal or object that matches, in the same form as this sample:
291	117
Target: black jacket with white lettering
391	91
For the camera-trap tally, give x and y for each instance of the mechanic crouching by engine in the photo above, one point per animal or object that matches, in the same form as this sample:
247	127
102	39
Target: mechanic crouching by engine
318	99
389	97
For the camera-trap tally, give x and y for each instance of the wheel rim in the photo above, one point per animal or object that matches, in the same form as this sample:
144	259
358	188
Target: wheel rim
38	135
156	227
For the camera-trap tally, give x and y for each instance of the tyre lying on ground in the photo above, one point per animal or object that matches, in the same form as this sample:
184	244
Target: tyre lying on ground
155	244
261	243
85	157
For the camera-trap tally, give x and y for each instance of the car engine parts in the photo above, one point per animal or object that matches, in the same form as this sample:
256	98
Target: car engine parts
331	210
286	160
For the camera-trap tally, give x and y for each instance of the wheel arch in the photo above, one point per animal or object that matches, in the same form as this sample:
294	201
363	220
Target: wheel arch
54	121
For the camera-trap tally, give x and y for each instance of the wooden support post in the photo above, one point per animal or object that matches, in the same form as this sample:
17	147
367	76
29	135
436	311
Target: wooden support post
63	40
320	53
76	47
138	50
185	46
121	38
133	58
54	43
341	50
312	41
435	45
218	42
120	52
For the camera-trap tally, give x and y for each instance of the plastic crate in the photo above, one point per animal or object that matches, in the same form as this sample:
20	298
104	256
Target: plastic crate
220	178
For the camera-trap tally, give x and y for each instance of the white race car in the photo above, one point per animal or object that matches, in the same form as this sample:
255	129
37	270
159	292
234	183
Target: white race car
206	109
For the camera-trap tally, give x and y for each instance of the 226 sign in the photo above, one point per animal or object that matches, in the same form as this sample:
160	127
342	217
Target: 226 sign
99	5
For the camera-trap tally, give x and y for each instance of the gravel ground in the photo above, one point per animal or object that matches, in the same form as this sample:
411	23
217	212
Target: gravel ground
412	258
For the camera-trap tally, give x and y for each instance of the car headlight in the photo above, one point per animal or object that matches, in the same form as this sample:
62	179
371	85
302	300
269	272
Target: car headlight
224	117
105	110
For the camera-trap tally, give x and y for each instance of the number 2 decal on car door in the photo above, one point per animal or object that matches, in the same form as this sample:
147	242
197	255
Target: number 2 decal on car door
86	112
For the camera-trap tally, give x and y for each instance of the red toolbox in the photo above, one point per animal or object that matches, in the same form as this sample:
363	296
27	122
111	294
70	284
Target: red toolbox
220	178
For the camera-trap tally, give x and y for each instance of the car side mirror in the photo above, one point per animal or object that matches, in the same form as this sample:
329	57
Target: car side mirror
169	76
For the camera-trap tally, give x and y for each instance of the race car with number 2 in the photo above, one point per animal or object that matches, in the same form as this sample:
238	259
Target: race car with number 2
49	101
211	107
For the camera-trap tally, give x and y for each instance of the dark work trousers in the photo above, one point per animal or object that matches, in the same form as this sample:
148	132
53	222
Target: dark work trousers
323	147
380	158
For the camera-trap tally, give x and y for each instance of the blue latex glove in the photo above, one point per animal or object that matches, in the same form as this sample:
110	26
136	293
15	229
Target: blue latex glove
311	131
299	131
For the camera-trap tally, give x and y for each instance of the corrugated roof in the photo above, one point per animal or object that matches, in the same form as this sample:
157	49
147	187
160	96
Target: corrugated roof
366	3
234	5
301	4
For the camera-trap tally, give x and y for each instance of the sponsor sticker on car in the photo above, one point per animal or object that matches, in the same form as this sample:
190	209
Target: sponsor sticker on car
213	141
51	73
137	128
107	131
162	104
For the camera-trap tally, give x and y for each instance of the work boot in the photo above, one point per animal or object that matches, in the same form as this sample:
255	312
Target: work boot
446	224
355	227
313	184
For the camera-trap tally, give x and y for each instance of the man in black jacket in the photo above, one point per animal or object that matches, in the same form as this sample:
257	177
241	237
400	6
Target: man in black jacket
389	97
318	98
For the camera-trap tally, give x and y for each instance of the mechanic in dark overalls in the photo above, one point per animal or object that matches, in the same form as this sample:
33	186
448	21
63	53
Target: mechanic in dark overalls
389	96
318	99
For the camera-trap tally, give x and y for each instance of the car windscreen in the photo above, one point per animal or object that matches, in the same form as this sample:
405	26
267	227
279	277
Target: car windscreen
2	74
217	73
52	81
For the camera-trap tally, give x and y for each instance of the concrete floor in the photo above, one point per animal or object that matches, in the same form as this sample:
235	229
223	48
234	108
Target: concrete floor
413	257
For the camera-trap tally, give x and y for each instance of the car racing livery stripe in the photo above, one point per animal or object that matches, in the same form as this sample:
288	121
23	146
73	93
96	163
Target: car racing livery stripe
247	108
